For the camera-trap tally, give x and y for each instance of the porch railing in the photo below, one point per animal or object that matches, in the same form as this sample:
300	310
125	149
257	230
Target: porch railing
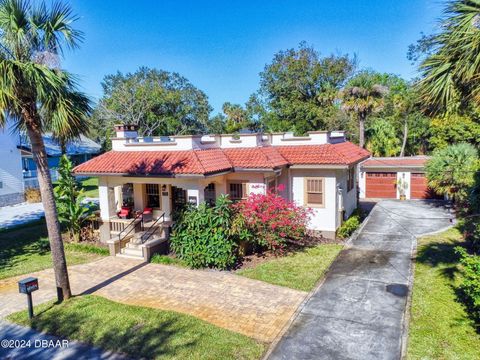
152	229
130	227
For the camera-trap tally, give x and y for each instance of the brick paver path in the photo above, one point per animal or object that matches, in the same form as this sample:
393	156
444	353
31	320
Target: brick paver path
247	306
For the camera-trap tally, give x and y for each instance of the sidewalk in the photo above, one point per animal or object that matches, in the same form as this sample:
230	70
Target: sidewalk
11	216
18	342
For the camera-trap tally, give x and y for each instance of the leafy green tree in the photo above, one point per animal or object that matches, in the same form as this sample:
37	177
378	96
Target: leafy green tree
298	90
362	96
449	72
37	95
453	128
451	170
237	118
73	213
383	140
160	102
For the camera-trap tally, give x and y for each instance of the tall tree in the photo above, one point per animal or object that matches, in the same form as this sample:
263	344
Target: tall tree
160	102
449	71
36	95
363	96
298	90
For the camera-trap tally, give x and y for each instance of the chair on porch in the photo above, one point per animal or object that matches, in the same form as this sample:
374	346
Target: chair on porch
147	214
124	212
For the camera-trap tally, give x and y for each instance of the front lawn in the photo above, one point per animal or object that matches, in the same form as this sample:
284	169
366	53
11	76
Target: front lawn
439	325
300	270
139	332
25	249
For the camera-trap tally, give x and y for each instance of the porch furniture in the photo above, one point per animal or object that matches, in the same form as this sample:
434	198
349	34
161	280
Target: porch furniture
147	214
125	212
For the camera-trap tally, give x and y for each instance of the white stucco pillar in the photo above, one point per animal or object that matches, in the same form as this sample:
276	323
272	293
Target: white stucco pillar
107	202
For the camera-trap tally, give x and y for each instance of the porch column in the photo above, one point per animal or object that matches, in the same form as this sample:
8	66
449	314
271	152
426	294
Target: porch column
108	207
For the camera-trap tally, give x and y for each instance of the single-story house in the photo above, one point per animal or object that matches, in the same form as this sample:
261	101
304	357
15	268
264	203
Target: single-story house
380	177
161	174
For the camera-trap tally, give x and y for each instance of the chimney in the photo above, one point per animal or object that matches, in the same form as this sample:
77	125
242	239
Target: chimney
126	131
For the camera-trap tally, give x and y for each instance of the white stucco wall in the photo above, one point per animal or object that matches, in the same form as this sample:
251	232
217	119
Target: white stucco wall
11	175
323	218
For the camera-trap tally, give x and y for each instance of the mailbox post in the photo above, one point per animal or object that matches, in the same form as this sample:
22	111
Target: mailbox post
27	286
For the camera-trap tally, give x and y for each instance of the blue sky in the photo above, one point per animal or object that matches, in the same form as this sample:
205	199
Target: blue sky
221	46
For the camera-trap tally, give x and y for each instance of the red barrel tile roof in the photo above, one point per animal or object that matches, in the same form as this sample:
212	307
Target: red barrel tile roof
210	161
413	161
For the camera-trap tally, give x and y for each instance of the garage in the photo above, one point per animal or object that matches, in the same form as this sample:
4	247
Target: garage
381	185
378	178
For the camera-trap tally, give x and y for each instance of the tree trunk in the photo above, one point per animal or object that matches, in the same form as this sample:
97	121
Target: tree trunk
405	135
46	190
361	131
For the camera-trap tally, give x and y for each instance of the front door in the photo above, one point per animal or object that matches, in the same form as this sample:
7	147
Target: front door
179	199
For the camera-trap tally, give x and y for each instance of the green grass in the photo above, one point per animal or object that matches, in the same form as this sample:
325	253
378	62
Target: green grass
301	270
25	249
439	325
167	260
90	187
139	332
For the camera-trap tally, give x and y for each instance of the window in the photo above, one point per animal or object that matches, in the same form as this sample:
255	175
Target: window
153	195
350	178
237	190
210	194
314	192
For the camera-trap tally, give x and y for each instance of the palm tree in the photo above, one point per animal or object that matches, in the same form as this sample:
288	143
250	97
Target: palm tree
450	75
362	96
38	96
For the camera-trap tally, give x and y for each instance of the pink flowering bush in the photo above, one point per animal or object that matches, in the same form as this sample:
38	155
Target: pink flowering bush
269	221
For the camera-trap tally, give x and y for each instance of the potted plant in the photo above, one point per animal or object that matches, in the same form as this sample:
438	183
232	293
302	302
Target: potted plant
402	186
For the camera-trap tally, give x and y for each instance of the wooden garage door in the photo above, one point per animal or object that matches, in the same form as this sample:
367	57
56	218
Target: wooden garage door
419	188
381	185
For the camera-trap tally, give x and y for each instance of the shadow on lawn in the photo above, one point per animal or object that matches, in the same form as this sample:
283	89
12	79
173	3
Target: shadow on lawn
441	254
22	241
131	337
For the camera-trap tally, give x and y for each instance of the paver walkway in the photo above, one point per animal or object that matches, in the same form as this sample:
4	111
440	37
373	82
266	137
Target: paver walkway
247	306
358	312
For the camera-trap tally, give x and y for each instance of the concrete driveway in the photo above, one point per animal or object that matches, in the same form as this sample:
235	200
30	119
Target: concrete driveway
359	311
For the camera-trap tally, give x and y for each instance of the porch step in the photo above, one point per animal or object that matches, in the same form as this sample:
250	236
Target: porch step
130	257
132	252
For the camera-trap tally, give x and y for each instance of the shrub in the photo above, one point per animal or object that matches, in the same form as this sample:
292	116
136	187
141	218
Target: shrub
349	226
451	170
201	237
269	221
32	195
470	286
87	248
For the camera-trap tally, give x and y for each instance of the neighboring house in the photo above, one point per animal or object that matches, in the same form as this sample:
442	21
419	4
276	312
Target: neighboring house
18	170
11	177
79	151
317	171
380	178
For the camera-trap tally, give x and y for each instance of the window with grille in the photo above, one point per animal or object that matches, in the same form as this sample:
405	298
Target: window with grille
153	195
314	192
237	190
351	178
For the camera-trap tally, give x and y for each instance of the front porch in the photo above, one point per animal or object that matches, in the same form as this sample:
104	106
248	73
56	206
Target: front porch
136	214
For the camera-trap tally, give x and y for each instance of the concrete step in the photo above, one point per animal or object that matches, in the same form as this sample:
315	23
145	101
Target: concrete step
132	252
129	257
131	245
